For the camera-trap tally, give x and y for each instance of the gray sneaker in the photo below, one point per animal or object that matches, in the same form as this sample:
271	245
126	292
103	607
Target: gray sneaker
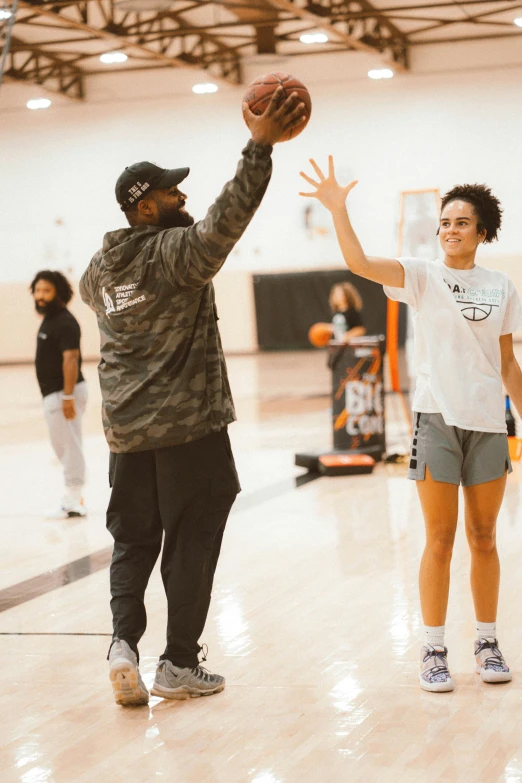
127	685
173	682
490	662
434	673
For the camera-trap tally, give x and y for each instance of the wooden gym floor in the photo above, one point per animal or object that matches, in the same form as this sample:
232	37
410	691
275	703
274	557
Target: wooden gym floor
314	622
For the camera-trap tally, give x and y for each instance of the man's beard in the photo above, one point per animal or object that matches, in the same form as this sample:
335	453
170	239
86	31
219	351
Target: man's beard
174	218
49	308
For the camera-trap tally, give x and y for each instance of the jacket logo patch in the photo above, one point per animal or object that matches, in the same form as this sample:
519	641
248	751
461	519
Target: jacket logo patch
109	304
124	298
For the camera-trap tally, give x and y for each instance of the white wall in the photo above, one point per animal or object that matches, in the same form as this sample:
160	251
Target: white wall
456	117
19	321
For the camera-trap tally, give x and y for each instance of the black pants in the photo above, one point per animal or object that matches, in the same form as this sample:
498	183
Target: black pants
185	492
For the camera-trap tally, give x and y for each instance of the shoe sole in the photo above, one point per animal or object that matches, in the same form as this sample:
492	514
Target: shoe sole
493	677
180	694
125	685
437	687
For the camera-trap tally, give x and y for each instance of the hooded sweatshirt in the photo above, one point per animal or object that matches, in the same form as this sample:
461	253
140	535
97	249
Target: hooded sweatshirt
162	370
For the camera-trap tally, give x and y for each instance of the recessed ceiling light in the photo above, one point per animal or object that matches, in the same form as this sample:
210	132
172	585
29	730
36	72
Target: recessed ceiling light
518	21
312	38
38	103
5	14
109	58
380	73
202	89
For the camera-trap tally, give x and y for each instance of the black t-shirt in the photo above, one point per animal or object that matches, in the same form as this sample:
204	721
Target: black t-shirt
352	318
58	333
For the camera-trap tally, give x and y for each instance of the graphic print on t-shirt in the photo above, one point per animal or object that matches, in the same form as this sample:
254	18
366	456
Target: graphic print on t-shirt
476	304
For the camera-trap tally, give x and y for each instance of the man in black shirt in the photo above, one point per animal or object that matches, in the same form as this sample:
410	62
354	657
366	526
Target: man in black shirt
63	387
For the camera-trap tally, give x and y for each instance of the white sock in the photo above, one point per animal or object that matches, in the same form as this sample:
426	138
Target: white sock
434	635
486	630
73	496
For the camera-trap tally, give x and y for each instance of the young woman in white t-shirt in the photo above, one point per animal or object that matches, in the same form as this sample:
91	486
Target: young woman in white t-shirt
464	317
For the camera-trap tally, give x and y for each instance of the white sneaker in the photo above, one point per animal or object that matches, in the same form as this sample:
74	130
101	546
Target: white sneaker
434	673
490	662
127	685
66	511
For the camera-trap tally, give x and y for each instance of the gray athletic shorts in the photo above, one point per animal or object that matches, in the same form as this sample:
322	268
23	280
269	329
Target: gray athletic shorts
456	456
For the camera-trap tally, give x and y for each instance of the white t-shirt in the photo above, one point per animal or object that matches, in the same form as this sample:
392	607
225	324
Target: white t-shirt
459	316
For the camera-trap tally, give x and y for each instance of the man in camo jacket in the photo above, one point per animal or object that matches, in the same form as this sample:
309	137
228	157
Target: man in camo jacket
167	401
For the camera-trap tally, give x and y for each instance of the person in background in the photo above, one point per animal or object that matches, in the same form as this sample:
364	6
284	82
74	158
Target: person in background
346	305
58	370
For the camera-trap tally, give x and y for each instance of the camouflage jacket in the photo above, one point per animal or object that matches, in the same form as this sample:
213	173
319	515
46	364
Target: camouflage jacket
162	371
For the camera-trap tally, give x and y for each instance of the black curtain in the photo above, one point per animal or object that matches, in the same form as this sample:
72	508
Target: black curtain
287	304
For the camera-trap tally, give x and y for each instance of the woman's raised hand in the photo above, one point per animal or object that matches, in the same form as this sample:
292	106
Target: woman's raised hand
327	189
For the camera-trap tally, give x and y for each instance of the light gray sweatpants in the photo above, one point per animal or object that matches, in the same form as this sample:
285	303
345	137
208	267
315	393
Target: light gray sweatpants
66	435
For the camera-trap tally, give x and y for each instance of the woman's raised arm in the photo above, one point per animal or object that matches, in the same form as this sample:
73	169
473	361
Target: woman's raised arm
386	271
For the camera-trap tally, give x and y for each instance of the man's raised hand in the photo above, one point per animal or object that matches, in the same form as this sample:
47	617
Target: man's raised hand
278	118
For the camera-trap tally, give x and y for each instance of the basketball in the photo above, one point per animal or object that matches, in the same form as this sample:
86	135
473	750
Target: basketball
260	91
320	334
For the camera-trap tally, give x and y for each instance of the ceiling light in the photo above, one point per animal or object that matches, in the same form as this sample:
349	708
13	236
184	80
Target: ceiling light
109	58
202	89
380	73
311	38
518	21
38	103
5	14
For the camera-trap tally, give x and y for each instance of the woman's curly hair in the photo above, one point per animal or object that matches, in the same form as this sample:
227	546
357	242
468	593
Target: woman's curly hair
60	282
485	205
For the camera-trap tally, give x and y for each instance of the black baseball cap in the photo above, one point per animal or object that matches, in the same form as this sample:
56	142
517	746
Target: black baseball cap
136	180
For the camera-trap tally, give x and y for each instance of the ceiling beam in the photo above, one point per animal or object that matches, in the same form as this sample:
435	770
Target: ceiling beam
45	69
121	41
171	38
450	5
464	38
399	56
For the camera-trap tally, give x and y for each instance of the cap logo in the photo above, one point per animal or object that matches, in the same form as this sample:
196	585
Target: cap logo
137	191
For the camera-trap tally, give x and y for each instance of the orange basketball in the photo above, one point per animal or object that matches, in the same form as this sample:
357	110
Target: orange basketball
320	334
259	93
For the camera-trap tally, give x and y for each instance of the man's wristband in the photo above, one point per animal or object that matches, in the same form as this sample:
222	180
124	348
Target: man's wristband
67	396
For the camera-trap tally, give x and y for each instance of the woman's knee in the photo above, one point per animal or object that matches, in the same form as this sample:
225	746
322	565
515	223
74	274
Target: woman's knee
440	544
482	538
